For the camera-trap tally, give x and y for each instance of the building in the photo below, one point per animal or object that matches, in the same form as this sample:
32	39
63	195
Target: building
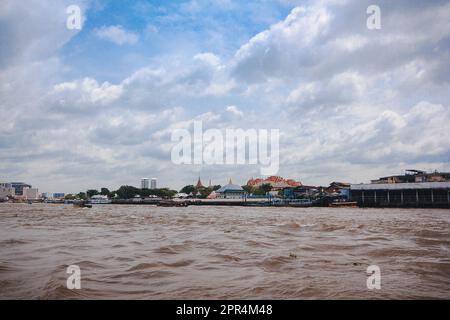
199	184
409	194
30	193
19	186
144	183
46	195
300	192
412	176
6	191
277	183
212	195
337	189
153	184
230	191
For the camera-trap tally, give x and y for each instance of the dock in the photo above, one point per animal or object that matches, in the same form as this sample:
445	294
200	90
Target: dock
402	195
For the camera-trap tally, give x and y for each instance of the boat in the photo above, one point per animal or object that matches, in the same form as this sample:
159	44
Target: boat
82	204
347	204
100	199
171	203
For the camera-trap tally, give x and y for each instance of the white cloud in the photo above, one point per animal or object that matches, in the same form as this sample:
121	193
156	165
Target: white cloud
208	57
117	34
235	111
85	92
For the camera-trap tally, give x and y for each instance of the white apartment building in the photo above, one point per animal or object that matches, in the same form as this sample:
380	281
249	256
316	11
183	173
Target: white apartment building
30	193
153	183
6	190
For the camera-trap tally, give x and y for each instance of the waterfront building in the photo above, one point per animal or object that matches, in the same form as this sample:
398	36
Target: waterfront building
6	185
230	191
153	184
412	194
19	186
336	189
46	195
300	192
144	183
212	195
6	191
277	183
30	193
412	175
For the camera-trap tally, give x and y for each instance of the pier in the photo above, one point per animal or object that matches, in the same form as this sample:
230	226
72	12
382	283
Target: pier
402	195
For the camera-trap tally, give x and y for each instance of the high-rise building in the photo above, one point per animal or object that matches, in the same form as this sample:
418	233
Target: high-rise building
144	183
153	183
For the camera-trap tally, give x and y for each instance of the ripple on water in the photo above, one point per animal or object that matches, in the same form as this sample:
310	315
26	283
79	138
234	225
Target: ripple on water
278	263
172	249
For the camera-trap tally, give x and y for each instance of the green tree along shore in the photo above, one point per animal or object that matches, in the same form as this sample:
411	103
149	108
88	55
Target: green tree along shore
129	192
124	192
259	191
201	192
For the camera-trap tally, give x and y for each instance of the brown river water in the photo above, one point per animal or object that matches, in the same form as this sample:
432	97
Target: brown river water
147	252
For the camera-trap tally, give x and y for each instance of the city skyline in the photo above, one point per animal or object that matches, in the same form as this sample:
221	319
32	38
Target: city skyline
96	107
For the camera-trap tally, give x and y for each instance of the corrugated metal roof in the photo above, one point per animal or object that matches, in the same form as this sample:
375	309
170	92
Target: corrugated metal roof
399	186
230	187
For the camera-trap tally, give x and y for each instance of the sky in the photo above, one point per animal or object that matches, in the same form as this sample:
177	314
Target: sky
96	107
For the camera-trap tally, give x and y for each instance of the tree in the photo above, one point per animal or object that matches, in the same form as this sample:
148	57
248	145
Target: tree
188	189
82	196
69	197
128	192
91	193
262	190
162	192
166	193
266	187
248	189
105	192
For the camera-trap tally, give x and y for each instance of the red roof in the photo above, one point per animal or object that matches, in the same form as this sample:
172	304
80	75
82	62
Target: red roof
273	180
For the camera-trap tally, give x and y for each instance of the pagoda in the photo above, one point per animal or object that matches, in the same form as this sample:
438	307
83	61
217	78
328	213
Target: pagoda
199	184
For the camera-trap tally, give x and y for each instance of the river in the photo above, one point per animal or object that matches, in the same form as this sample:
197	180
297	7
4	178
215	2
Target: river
148	252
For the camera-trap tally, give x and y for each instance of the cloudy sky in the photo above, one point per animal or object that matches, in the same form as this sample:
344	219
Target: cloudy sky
96	107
